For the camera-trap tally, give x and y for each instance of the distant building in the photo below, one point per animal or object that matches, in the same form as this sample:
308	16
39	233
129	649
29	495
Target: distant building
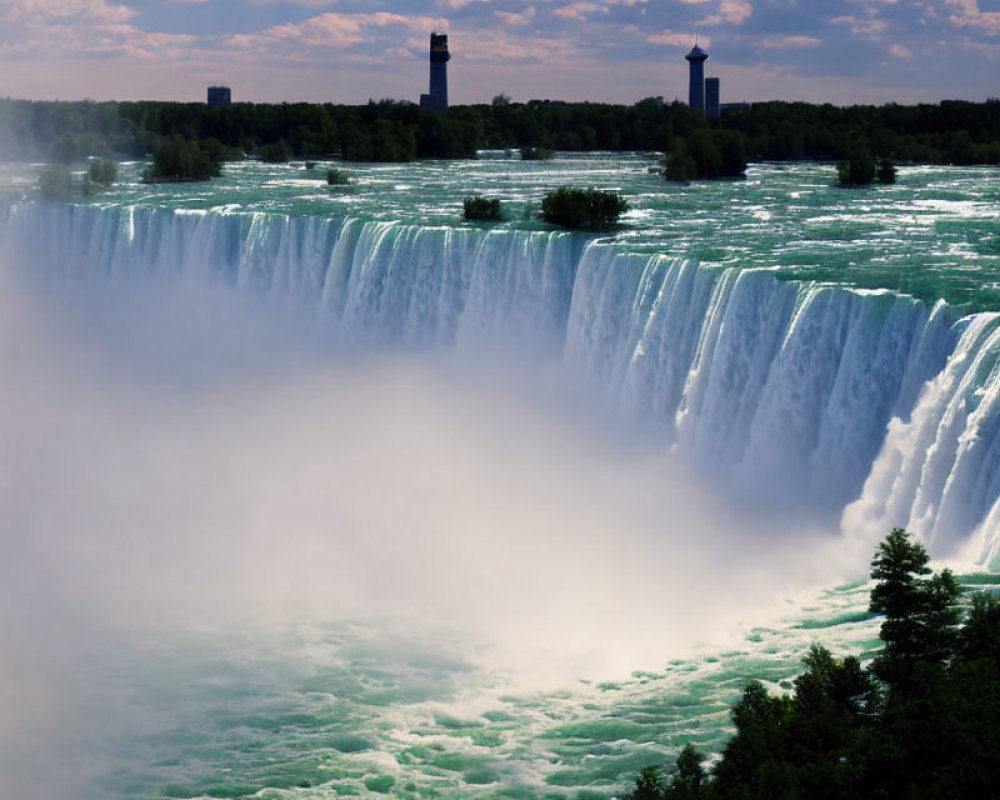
696	86
219	96
734	107
712	98
437	97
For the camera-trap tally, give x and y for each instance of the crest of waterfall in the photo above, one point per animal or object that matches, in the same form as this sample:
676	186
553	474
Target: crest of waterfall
811	393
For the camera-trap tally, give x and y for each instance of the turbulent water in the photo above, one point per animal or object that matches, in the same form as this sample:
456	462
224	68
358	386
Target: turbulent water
350	495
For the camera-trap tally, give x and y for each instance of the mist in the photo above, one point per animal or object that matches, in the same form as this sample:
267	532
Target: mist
186	459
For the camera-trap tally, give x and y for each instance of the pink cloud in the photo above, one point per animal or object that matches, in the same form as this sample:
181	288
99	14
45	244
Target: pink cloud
676	39
968	15
516	20
862	26
492	45
731	12
782	42
41	11
332	30
577	11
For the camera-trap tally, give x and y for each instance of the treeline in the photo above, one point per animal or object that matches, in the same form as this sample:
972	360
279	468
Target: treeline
951	132
921	721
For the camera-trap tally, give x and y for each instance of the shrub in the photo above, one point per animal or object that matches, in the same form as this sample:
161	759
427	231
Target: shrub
707	154
858	169
180	160
535	154
584	209
103	171
679	166
481	208
338	177
55	182
886	171
276	153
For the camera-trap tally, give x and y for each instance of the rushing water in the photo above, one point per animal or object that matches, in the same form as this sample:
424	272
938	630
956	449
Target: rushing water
932	234
321	491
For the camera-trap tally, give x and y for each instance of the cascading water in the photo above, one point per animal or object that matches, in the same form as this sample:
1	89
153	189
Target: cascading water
777	388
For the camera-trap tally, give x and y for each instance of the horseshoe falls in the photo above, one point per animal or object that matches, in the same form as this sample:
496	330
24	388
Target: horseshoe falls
316	492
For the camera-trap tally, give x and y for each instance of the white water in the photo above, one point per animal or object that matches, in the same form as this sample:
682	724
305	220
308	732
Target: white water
814	394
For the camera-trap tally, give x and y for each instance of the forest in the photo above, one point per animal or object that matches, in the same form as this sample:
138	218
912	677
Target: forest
921	720
951	132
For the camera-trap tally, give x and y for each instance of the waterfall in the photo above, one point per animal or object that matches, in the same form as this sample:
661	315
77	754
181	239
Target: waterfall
862	401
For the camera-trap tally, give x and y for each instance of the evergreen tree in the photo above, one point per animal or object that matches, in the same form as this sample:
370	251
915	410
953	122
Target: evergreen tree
648	786
921	615
687	777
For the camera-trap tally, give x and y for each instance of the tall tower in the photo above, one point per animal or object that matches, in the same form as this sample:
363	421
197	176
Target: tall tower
712	98
437	97
696	88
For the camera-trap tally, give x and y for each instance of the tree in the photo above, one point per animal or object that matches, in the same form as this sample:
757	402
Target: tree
921	616
102	171
859	168
754	763
707	153
180	160
980	636
886	171
687	777
648	786
55	182
338	177
275	153
929	730
679	166
587	209
481	209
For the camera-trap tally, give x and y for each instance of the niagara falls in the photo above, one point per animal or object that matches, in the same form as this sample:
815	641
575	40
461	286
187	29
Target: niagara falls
312	492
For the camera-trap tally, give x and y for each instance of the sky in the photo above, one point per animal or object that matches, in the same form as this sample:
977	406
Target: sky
350	51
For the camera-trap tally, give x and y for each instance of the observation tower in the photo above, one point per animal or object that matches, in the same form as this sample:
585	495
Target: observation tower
437	97
696	87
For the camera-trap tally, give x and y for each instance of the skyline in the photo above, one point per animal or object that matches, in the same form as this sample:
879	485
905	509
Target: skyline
346	51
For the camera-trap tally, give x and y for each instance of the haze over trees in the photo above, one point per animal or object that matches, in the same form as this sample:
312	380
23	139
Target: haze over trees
922	720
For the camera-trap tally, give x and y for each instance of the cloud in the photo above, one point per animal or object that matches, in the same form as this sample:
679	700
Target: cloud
516	20
84	29
901	51
862	26
783	42
576	11
87	29
676	39
332	30
731	12
41	12
499	45
968	15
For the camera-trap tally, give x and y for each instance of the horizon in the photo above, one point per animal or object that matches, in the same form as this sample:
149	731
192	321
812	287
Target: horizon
530	101
344	52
